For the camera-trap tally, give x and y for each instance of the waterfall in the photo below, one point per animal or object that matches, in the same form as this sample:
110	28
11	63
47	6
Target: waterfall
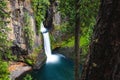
46	40
47	46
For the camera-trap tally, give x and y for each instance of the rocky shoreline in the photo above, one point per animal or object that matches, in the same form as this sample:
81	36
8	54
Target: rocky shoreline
18	68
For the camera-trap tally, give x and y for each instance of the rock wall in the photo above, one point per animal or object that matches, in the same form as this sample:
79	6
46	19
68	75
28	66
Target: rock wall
53	16
24	36
17	10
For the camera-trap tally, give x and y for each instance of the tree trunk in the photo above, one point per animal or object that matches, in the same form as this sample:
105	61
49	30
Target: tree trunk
77	35
104	60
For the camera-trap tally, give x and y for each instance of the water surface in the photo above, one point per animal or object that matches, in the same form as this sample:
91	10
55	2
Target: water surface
62	69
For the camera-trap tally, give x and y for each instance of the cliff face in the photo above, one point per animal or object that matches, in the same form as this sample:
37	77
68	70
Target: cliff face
22	25
24	36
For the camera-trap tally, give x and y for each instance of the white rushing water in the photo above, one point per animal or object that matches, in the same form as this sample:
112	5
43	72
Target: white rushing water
47	46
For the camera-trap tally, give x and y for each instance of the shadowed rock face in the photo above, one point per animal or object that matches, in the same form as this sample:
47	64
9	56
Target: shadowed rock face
18	9
52	17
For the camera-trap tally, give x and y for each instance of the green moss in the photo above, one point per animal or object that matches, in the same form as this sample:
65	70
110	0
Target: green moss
29	61
4	74
28	31
28	77
31	58
68	43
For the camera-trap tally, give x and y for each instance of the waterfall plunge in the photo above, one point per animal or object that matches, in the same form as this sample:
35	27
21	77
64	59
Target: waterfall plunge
47	47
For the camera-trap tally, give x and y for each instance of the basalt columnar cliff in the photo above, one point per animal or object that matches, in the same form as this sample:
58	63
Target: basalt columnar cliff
26	43
22	25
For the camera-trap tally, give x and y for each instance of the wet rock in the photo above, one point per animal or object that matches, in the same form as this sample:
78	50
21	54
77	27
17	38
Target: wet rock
40	61
66	51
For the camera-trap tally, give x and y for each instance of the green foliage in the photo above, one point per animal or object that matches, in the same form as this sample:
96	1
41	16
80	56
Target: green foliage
4	74
28	31
65	28
88	13
5	43
31	58
89	10
67	9
68	43
28	77
29	61
40	8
